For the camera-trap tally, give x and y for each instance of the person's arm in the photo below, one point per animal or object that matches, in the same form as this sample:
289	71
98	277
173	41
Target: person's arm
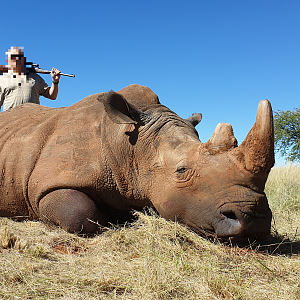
52	92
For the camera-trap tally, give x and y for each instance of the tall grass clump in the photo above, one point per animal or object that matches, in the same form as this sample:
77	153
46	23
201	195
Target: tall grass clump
283	192
283	187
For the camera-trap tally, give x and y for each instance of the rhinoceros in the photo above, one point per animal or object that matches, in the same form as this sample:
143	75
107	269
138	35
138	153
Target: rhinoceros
122	151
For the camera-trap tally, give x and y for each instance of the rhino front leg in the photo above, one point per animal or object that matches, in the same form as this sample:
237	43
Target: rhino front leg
72	210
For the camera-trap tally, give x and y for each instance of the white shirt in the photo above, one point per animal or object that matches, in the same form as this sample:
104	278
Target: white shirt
19	89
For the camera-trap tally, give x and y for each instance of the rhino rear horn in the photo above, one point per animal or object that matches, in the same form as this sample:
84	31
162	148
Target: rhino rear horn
120	111
222	139
256	153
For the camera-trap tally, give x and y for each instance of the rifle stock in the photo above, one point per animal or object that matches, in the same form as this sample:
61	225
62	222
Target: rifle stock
3	68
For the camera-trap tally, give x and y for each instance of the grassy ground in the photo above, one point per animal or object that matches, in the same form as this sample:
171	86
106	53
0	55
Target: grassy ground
155	259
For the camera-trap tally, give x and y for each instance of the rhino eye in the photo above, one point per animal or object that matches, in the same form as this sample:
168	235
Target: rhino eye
181	170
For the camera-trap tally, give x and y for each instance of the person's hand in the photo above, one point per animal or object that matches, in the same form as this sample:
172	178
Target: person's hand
55	74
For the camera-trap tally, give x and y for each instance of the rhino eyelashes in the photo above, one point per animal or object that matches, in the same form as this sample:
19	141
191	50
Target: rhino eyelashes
181	170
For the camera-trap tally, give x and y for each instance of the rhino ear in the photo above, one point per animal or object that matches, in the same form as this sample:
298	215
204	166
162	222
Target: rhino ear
120	111
195	119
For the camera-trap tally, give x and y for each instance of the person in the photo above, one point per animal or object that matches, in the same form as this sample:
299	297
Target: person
18	86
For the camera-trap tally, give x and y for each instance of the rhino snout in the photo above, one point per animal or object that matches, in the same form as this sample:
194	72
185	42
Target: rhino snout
234	224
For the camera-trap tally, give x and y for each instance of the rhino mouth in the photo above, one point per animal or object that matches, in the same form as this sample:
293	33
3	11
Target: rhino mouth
231	224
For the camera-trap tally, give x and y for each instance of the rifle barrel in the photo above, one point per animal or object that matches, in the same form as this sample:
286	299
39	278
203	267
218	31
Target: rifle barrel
38	70
69	75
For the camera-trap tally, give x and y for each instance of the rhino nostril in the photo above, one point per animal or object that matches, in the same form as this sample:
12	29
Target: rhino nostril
230	215
228	225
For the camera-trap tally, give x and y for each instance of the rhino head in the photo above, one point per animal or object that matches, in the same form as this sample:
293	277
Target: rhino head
215	188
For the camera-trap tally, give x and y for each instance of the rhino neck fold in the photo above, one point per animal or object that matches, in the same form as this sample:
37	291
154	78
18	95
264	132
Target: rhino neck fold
121	158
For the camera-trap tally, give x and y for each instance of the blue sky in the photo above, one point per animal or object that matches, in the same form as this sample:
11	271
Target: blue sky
216	57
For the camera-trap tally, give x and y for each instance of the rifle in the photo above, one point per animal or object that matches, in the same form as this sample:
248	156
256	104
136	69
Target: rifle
32	68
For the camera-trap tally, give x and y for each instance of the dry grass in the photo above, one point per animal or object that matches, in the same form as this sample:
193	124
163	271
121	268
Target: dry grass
283	190
154	258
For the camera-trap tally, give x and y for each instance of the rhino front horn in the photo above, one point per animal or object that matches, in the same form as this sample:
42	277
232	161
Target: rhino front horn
257	150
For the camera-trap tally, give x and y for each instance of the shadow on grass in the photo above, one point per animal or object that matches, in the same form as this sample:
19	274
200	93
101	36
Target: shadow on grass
275	244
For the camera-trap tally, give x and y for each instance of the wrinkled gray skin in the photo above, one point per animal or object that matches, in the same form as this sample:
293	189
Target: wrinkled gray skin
115	152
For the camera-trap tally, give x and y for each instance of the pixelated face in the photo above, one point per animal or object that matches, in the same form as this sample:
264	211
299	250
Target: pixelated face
16	59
